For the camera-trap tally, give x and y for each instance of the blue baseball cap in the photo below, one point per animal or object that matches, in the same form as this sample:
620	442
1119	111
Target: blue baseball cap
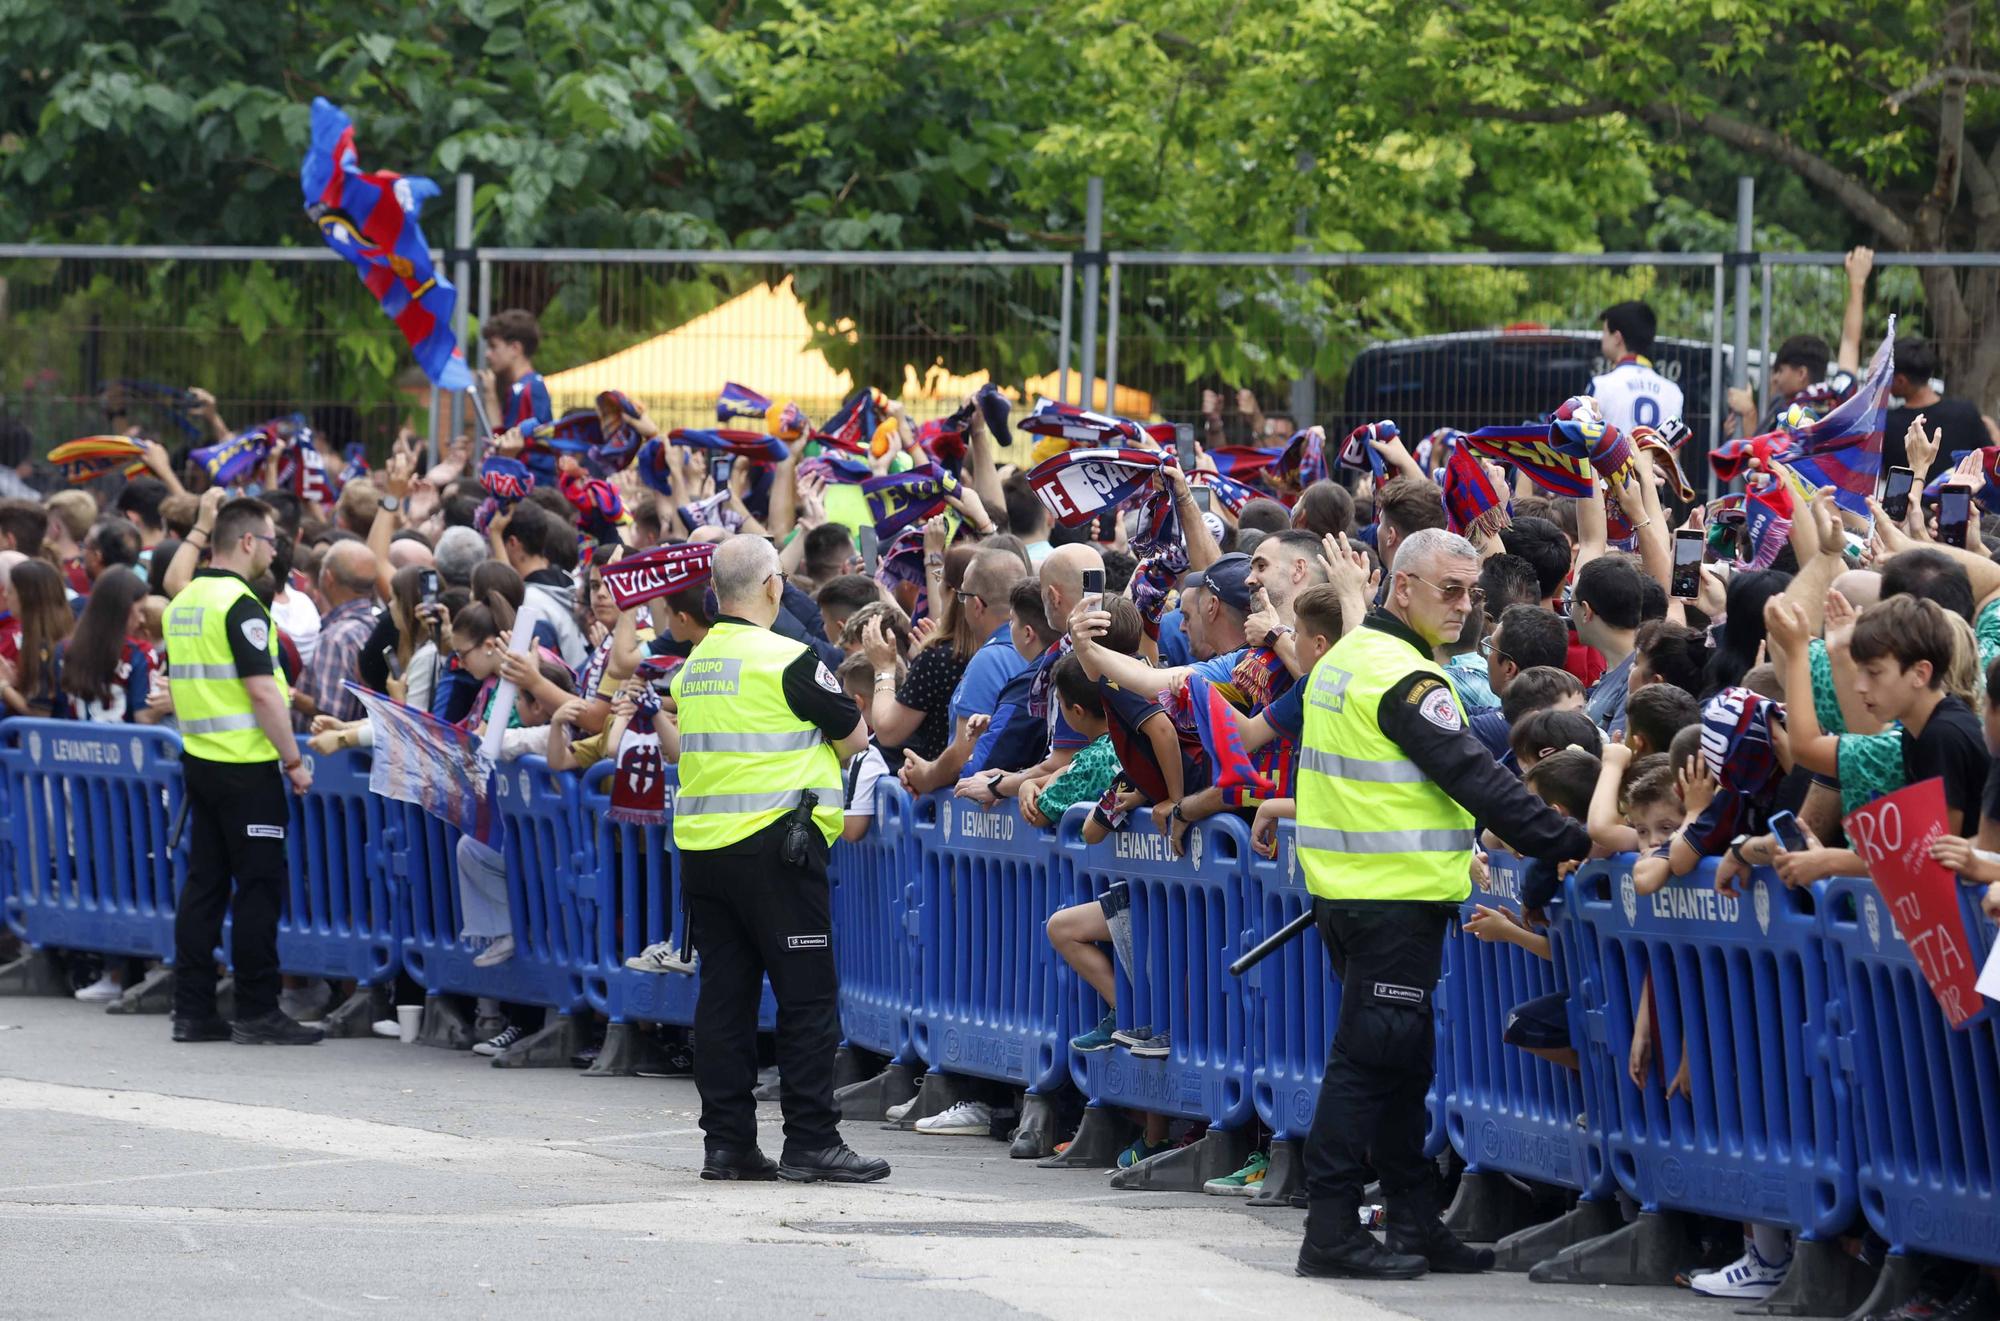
1228	578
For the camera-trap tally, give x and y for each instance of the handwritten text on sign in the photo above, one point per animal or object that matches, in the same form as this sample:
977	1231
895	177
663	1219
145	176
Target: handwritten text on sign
1893	835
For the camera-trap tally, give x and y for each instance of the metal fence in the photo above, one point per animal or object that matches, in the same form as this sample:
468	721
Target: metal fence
1335	338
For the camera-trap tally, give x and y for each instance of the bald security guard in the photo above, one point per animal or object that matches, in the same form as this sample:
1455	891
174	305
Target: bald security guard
1390	783
764	728
237	755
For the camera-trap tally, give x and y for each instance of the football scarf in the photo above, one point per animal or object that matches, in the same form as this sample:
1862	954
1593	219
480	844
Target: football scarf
662	571
752	445
1470	502
906	499
639	785
1078	485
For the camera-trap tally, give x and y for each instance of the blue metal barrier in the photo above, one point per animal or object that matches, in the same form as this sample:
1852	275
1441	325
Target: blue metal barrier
1927	1098
1190	917
1506	1110
1745	986
1295	1004
90	809
875	924
339	918
996	1000
549	863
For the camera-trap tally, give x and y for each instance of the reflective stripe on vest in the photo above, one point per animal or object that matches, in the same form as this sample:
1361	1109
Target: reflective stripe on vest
745	757
211	703
1371	824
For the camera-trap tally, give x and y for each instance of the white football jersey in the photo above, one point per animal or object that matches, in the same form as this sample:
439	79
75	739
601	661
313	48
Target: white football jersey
1633	394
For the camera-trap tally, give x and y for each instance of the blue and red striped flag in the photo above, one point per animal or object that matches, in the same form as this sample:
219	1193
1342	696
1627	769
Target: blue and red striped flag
372	219
753	445
423	760
1844	449
1199	703
1243	460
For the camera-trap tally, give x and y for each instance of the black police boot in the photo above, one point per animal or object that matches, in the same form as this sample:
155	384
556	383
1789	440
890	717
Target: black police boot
739	1163
841	1164
211	1028
1414	1227
274	1029
1337	1247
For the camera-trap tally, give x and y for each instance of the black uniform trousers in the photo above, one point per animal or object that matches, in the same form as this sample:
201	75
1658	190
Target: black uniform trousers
238	817
1388	956
752	915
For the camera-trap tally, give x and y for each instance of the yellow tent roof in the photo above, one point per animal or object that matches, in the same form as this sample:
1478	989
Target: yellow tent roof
761	338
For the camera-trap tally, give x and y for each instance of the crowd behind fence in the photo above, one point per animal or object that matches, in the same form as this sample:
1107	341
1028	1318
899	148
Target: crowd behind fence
1826	1092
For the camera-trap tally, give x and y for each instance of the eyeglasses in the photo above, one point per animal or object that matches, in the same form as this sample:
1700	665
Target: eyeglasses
270	541
964	596
1489	651
1455	592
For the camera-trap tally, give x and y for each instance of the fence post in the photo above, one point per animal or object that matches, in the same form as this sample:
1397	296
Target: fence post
1111	345
1715	387
1063	333
1305	386
1746	241
461	275
1093	261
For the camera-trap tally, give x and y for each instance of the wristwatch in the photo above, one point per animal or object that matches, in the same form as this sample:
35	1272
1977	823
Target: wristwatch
1736	850
1271	638
391	503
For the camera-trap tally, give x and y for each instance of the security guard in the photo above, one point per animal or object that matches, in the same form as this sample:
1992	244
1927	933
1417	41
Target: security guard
1390	782
763	730
237	755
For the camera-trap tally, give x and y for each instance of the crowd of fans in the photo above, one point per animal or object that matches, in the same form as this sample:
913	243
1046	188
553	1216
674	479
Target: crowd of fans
1026	667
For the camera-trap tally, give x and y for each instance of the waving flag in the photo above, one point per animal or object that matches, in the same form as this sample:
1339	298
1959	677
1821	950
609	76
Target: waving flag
372	220
904	499
1243	460
1197	702
421	759
1469	498
1844	449
752	445
1078	485
92	457
662	571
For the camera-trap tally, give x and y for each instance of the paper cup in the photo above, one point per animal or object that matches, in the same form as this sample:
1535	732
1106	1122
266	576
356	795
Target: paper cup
407	1019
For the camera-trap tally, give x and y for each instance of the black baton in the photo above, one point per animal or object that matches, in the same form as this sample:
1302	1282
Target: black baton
1269	944
179	824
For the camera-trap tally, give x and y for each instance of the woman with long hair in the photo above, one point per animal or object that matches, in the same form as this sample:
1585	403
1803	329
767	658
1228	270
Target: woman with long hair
1742	630
107	665
28	687
915	715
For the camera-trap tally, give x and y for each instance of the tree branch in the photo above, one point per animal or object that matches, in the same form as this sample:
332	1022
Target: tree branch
1862	201
1560	114
1958	74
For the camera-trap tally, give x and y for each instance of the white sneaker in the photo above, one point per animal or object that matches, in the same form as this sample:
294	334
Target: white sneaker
501	950
967	1119
661	956
102	991
897	1113
1749	1276
386	1027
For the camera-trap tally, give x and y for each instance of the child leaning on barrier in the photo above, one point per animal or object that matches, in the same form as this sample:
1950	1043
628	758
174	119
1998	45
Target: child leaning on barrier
1090	773
1637	806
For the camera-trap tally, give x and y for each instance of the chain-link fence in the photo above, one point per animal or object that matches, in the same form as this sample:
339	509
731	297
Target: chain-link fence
1427	339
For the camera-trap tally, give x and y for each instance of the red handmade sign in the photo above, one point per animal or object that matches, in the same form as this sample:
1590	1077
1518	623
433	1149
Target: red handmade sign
637	579
1893	835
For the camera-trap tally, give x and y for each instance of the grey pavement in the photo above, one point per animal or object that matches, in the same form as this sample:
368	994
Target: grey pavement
367	1178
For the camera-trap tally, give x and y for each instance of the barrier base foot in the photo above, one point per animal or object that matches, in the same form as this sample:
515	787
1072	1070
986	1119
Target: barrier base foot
1490	1206
35	973
549	1048
851	1065
628	1052
1896	1285
870	1098
1035	1136
766	1092
225	999
153	995
357	1014
443	1025
936	1094
1524	1249
1186	1169
1822	1281
1285	1175
1647	1251
1103	1133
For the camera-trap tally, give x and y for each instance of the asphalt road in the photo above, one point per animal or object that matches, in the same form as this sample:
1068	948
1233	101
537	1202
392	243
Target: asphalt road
368	1178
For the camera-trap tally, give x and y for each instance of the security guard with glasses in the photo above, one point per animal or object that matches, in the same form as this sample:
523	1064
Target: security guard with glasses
1390	784
764	728
237	754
